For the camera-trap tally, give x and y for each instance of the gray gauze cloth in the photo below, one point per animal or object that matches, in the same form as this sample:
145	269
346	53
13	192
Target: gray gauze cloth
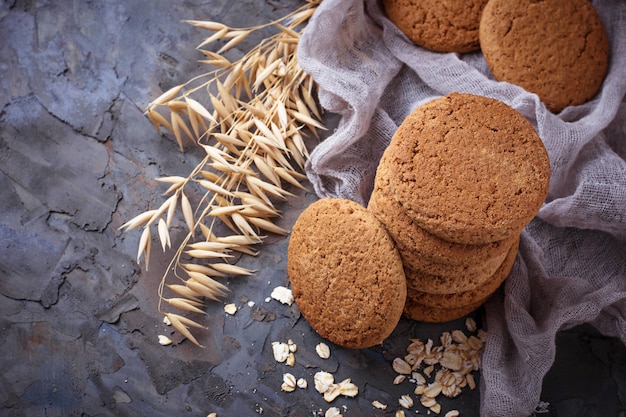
571	265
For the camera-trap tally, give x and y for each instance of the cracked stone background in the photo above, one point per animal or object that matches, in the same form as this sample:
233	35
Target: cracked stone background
78	316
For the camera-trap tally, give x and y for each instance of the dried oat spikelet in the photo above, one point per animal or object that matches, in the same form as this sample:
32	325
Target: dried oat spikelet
249	117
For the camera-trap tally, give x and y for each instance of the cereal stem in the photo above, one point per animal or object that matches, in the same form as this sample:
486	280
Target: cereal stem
248	116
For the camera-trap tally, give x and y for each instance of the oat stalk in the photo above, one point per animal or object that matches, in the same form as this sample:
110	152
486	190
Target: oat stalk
248	116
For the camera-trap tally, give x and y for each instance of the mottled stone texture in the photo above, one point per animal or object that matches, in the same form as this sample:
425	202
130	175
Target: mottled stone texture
78	316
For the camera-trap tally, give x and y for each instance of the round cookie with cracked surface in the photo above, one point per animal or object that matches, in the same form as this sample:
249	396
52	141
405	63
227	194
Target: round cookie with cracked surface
467	169
440	26
346	273
423	251
556	49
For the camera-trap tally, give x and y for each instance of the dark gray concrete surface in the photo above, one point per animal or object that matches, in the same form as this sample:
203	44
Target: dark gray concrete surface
78	316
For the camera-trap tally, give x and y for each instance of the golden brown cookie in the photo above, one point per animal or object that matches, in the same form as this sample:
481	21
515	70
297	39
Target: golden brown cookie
554	48
453	282
419	312
346	274
441	26
423	251
468	169
461	299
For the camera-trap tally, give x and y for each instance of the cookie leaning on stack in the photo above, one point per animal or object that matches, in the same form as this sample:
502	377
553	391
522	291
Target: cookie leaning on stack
346	274
462	176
